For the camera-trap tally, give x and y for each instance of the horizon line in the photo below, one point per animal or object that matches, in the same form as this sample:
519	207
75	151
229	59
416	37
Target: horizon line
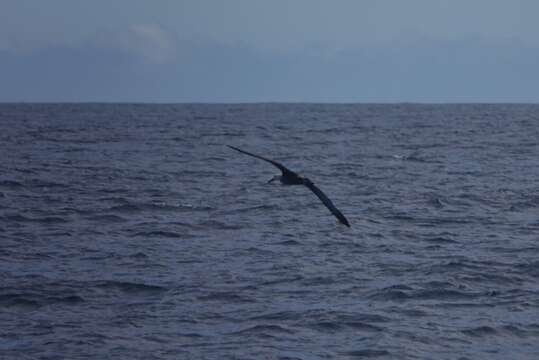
84	102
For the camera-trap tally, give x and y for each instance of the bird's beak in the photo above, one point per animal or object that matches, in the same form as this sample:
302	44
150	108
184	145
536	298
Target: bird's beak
270	180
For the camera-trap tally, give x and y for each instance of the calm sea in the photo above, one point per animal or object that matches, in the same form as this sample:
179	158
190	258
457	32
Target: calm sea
132	232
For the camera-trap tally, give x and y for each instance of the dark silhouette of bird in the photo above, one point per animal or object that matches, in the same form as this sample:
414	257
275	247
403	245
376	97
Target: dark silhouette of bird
288	177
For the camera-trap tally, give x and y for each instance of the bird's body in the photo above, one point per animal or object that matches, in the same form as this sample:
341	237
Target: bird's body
289	177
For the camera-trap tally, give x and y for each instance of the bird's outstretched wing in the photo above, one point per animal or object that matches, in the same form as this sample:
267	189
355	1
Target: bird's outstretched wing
326	201
274	163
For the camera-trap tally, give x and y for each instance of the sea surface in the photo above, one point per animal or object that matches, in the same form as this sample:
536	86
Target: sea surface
130	231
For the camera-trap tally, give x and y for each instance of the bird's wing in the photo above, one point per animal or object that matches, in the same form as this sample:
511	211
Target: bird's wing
326	201
274	163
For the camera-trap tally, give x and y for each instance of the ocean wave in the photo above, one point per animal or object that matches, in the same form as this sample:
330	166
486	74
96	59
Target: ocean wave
441	240
162	234
41	183
253	209
215	224
367	353
226	296
33	300
335	326
288	243
107	218
42	220
436	292
133	207
264	329
530	268
480	331
10	184
127	287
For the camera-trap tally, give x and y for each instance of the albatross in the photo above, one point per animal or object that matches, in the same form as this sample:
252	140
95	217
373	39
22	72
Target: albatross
288	177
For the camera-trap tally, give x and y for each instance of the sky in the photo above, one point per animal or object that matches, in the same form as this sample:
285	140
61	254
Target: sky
269	51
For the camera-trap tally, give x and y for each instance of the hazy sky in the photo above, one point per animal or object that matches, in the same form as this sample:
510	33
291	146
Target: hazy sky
254	50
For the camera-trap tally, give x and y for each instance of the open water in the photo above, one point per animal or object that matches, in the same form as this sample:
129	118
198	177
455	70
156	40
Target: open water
132	232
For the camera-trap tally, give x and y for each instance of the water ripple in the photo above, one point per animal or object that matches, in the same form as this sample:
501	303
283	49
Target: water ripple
132	231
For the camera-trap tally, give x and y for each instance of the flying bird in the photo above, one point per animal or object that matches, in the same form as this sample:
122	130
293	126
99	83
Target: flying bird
288	177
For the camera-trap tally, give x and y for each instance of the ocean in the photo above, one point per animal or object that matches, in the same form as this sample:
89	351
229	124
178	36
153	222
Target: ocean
131	231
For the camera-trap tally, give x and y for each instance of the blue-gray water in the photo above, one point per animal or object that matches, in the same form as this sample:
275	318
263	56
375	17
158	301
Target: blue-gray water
133	232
